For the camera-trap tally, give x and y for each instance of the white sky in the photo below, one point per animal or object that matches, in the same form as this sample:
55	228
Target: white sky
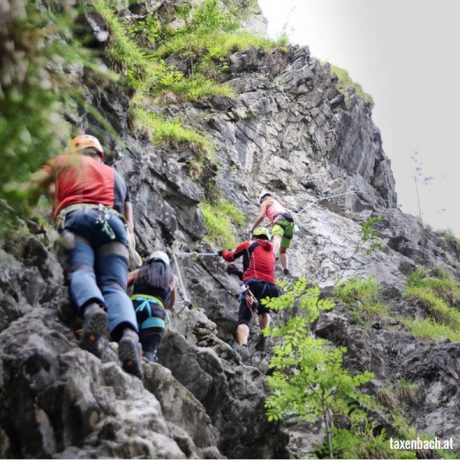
405	53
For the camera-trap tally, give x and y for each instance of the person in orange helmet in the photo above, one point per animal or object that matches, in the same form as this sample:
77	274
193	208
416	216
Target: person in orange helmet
92	205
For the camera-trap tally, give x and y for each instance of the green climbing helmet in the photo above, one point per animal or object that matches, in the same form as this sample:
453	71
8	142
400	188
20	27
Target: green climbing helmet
262	231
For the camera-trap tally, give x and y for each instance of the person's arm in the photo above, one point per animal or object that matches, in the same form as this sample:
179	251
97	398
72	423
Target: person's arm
38	183
230	256
132	277
129	216
261	216
172	297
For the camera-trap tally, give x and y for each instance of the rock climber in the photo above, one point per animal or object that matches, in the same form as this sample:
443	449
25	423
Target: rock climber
259	282
92	209
154	291
282	226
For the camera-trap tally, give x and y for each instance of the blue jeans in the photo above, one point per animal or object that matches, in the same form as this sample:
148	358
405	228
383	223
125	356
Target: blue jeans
98	265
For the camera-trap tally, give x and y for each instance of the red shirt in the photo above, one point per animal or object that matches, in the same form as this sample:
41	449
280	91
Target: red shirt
82	179
258	263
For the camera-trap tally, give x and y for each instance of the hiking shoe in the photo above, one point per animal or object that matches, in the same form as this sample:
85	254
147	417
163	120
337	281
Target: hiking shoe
286	272
261	341
243	351
95	326
129	352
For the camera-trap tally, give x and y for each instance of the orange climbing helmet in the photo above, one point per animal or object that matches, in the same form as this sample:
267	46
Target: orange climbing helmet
85	141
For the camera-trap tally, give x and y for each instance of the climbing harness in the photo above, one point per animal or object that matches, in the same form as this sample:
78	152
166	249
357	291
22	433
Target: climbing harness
249	297
103	218
104	215
150	310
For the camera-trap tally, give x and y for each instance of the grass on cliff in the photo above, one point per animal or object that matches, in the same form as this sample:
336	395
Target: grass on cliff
439	297
345	82
362	298
221	218
200	40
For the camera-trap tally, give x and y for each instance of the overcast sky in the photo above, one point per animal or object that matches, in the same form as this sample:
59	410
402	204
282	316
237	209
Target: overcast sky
405	53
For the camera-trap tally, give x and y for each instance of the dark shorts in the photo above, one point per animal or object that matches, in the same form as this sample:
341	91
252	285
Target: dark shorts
261	290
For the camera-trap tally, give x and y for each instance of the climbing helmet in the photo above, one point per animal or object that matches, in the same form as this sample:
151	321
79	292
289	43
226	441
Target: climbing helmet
158	255
263	195
262	231
85	141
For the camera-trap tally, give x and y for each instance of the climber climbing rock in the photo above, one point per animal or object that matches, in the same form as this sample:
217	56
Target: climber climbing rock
259	283
282	225
154	290
92	208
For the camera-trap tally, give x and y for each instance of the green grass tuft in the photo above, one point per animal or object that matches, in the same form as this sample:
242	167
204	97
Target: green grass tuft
159	129
362	297
345	82
220	219
429	329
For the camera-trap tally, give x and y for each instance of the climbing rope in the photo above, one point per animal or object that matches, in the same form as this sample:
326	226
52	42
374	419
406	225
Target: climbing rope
197	254
186	300
322	198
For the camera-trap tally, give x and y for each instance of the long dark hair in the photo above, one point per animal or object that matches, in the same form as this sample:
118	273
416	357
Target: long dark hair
156	274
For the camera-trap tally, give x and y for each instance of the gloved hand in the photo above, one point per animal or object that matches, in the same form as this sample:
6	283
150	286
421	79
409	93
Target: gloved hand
220	252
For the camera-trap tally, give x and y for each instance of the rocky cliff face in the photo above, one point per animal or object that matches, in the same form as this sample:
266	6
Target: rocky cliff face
289	130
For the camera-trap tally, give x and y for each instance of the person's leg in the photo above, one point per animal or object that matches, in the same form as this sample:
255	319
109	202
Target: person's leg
244	319
277	235
264	320
112	275
242	334
82	279
83	289
276	243
150	341
285	243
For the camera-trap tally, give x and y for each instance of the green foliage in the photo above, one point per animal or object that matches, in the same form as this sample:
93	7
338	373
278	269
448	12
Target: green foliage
406	391
345	82
450	236
37	46
400	392
429	329
348	443
355	290
439	296
363	299
386	396
435	306
308	378
158	129
211	32
220	219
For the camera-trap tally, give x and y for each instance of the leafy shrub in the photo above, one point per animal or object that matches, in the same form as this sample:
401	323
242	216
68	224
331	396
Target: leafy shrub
308	377
37	46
